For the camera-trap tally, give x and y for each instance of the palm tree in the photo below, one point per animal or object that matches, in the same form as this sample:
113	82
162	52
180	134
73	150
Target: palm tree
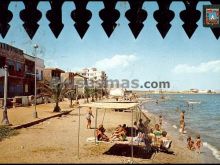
71	94
58	90
87	92
92	92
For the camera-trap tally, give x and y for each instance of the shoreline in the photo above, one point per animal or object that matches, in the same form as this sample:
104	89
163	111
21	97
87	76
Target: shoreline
141	93
206	155
56	141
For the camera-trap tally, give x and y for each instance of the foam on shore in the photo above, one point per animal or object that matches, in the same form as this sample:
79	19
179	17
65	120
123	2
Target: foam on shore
215	151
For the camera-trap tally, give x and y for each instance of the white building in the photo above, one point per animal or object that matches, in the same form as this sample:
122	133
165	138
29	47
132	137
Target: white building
205	91
95	75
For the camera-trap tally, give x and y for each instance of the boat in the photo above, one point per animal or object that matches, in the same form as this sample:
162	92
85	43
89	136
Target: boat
194	102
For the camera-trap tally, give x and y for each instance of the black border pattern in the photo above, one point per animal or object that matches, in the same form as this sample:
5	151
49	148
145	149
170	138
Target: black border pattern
136	16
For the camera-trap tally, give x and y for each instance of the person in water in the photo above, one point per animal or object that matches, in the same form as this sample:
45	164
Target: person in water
160	121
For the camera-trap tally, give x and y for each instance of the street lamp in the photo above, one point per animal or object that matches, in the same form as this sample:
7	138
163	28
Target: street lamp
35	80
5	120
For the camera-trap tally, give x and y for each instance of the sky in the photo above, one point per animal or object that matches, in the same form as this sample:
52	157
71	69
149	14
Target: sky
185	63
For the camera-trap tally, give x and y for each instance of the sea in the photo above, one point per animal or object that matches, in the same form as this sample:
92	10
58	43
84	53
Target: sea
202	116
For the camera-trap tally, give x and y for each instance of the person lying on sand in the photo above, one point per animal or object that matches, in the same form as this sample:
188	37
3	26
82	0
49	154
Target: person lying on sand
100	134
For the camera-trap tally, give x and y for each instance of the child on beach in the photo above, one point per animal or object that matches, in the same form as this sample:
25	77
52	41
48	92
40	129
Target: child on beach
190	143
158	133
198	144
88	117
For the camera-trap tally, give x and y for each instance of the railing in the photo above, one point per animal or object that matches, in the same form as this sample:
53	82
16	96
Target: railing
109	15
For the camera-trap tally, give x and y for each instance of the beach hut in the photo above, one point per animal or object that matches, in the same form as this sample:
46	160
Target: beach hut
110	105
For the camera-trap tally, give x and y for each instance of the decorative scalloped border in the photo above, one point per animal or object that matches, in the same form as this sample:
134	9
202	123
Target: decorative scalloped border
136	16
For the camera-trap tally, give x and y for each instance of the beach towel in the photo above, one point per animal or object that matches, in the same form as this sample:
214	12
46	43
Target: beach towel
92	140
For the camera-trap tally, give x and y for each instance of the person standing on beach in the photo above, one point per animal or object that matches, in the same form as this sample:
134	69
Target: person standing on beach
190	143
198	144
88	117
182	122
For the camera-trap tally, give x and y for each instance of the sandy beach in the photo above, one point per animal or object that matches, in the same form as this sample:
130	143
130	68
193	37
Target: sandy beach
55	141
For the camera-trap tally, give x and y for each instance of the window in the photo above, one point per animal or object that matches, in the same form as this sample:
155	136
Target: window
26	88
19	67
11	65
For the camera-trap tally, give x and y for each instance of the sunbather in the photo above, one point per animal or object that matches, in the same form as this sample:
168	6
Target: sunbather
165	141
140	137
100	134
120	133
151	136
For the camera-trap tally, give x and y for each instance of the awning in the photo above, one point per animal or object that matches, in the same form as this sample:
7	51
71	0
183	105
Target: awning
111	105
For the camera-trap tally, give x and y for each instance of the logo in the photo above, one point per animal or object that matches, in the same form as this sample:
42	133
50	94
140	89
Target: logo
211	16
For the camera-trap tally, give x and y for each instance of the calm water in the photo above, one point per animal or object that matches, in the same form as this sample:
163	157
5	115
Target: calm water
202	117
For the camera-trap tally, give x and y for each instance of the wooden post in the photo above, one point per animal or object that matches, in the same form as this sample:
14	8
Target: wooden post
96	114
78	130
5	120
132	147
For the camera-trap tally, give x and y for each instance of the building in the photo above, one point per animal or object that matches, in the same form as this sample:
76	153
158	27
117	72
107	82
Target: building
205	91
52	73
21	69
68	79
29	77
194	91
14	59
80	82
98	77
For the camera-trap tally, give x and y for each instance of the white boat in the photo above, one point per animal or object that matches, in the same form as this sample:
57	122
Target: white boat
194	102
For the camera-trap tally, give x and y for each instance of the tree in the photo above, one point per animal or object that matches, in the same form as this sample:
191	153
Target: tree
87	92
58	90
71	94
